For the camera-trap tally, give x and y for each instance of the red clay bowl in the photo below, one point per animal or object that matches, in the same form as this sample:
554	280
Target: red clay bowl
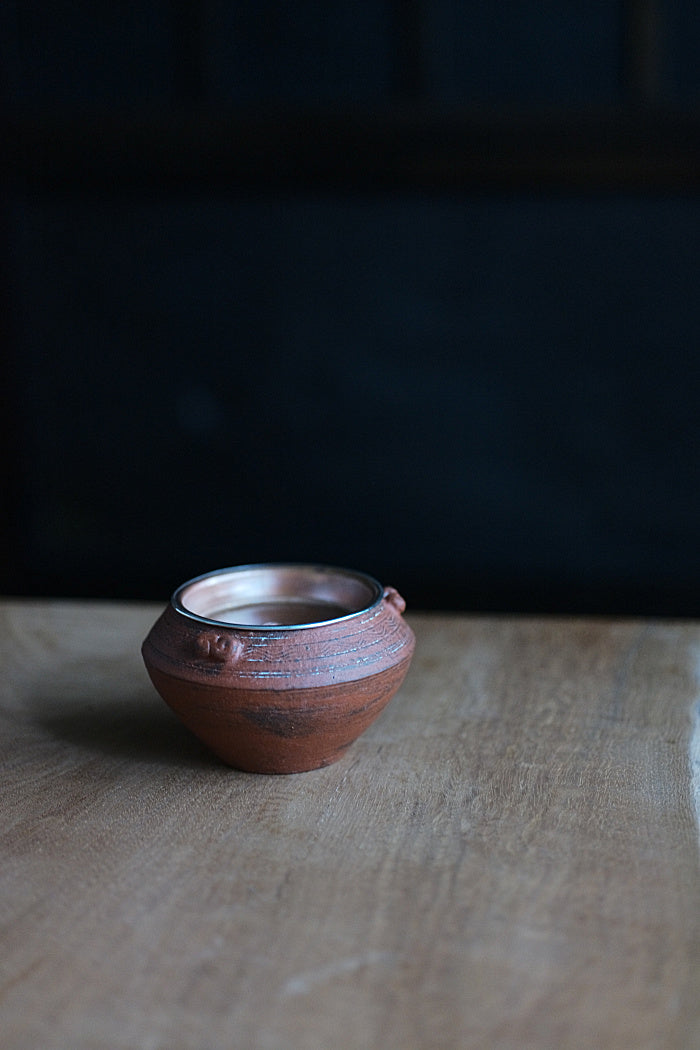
279	668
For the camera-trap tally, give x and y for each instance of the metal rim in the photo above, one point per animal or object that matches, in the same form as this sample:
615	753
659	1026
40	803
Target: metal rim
361	577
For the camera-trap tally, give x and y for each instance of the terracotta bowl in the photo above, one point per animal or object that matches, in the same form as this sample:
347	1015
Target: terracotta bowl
279	668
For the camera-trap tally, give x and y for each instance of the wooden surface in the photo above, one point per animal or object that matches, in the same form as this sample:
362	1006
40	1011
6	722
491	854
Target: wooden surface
507	859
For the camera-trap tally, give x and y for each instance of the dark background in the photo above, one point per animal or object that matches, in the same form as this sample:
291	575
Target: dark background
409	287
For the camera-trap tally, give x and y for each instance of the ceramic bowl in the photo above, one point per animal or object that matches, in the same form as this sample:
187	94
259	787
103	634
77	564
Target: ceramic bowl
279	668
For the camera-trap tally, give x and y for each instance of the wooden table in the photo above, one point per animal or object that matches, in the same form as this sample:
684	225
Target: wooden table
507	859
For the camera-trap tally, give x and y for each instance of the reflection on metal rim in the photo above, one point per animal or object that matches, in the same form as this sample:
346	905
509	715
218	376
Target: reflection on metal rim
273	596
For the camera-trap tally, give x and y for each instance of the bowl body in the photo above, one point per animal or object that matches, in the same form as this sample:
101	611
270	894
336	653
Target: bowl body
279	668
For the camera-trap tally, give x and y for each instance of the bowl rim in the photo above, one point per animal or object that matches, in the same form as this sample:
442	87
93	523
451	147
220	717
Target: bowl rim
315	567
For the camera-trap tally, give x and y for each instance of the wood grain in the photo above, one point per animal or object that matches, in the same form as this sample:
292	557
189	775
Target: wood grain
508	857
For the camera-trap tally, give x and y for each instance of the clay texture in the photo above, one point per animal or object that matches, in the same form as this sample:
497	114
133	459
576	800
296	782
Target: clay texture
280	699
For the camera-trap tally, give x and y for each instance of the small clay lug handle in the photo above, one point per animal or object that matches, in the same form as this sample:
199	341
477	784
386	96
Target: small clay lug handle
394	599
218	647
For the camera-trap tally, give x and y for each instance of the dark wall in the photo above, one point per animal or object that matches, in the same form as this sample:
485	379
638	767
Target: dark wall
486	398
